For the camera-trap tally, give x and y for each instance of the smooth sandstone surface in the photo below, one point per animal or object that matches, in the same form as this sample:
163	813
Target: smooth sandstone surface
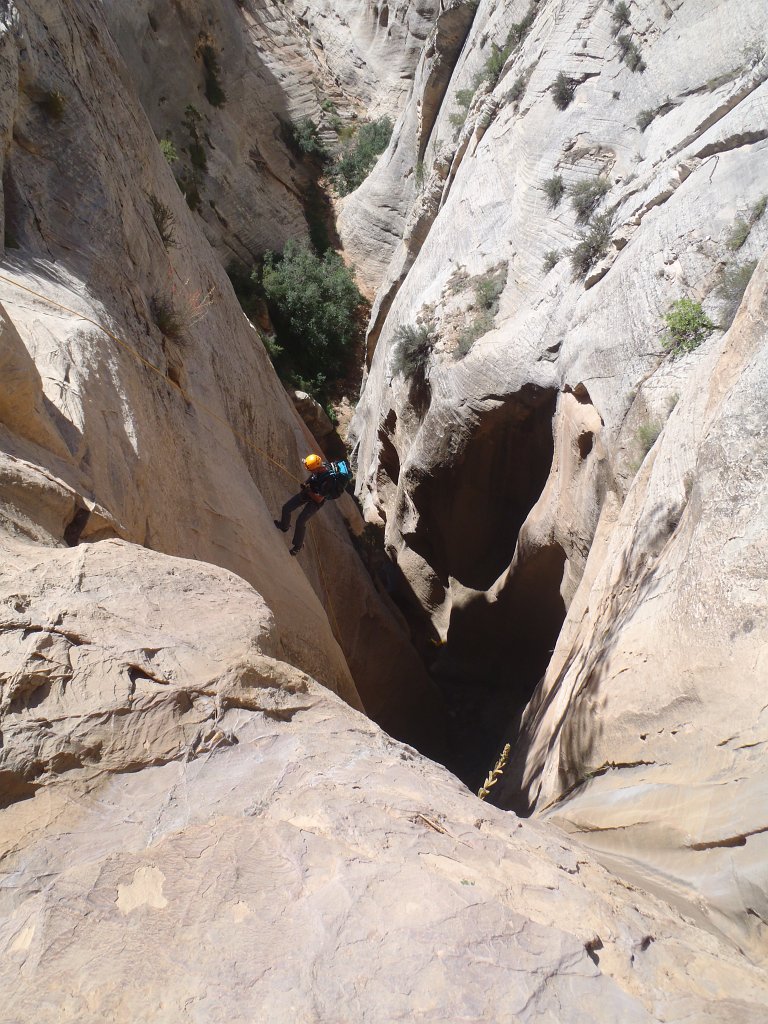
198	822
216	837
186	444
520	495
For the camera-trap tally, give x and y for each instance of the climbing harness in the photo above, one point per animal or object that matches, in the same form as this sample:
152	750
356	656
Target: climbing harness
195	402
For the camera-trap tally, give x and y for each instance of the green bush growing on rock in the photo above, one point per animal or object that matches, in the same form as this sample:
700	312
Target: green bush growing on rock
168	150
732	289
413	344
554	189
303	138
164	220
551	259
629	53
586	196
53	104
495	64
313	302
355	163
620	17
687	327
739	233
563	91
213	90
645	118
647	434
517	91
168	319
487	288
592	246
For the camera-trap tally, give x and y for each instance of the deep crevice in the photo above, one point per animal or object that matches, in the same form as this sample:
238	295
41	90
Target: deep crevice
506	606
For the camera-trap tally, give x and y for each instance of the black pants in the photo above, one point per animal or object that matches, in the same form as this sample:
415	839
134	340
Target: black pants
310	508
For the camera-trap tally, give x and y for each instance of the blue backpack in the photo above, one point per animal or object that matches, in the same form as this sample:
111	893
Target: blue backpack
336	478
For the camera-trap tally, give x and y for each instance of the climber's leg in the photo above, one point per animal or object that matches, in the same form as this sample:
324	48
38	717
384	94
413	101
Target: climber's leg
301	525
284	522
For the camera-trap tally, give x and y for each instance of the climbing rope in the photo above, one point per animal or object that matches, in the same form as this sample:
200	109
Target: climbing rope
192	401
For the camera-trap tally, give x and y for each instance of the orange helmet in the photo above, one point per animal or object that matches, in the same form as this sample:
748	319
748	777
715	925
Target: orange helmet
313	462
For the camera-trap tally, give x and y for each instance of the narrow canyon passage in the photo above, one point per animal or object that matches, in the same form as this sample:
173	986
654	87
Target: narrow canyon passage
506	609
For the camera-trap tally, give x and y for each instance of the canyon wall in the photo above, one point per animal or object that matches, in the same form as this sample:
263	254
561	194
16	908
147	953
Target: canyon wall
197	820
249	70
513	477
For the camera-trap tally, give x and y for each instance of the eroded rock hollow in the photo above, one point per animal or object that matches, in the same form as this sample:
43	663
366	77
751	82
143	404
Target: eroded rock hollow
216	798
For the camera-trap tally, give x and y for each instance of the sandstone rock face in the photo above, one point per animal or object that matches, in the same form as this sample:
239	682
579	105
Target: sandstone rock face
646	732
197	821
216	57
214	836
506	470
182	441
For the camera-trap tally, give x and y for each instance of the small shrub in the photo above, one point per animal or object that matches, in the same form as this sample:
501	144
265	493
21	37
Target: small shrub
356	162
464	98
629	53
419	175
495	64
164	220
754	53
732	289
739	233
479	326
213	90
197	155
647	434
620	17
328	106
616	94
554	189
488	289
759	209
167	319
687	327
53	104
412	348
517	91
169	150
303	137
563	90
457	119
520	29
551	259
586	196
592	246
645	118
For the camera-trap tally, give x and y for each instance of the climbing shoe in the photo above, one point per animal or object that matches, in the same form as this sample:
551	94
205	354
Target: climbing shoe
295	551
280	526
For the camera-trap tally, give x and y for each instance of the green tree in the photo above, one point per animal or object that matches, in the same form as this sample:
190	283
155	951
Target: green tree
356	162
313	302
688	326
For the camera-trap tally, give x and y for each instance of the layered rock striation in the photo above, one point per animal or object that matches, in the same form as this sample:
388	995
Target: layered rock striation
216	836
588	166
198	821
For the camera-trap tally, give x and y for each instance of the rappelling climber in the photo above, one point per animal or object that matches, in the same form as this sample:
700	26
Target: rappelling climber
326	480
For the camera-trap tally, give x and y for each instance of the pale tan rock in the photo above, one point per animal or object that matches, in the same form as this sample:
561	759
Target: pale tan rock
510	484
199	472
646	731
218	837
293	57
